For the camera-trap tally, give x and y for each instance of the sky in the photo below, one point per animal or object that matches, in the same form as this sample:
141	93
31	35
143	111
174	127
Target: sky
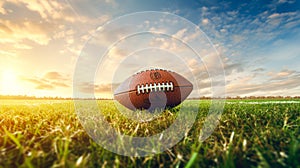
42	41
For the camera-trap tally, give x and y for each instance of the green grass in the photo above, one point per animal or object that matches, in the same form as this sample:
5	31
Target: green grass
48	134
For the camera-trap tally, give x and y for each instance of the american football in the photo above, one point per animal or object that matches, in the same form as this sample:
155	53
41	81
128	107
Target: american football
153	89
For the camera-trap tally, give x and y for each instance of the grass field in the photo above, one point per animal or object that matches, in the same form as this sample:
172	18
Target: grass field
47	133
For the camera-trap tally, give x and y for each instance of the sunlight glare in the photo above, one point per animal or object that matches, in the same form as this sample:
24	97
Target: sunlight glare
9	82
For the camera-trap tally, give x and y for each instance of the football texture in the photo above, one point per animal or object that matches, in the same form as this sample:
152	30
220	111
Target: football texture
153	89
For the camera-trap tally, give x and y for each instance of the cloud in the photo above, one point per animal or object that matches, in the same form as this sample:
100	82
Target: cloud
258	70
7	54
237	38
274	15
205	21
237	32
282	82
50	81
187	35
283	20
44	86
5	29
284	74
22	46
93	9
117	53
103	88
166	44
48	10
17	32
40	84
286	1
111	2
53	76
3	11
244	39
233	67
180	33
59	84
43	21
265	87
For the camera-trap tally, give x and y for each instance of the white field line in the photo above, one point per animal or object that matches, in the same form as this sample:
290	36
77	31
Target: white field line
264	102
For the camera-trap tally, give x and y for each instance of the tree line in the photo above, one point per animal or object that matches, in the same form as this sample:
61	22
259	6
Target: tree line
26	97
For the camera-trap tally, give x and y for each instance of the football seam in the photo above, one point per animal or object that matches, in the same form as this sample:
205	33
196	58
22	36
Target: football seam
149	92
159	86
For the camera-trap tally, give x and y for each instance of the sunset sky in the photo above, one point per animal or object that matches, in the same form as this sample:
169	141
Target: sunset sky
40	42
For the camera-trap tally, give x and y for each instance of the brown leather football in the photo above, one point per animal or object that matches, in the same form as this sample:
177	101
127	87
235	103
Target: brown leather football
153	89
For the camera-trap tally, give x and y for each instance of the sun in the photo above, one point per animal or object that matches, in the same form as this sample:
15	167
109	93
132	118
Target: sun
9	82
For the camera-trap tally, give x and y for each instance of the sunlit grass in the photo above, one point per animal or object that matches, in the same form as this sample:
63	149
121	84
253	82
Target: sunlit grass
48	133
